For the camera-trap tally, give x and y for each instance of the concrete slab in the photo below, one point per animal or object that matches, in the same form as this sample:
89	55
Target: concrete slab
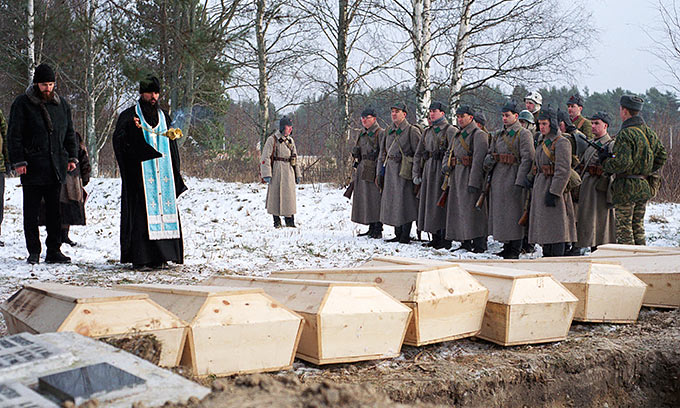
14	394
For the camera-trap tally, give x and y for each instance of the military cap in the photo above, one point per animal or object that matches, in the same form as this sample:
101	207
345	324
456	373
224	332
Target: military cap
575	100
150	84
399	105
368	112
549	115
526	116
465	109
563	116
437	105
43	73
283	122
480	118
632	102
510	106
603	116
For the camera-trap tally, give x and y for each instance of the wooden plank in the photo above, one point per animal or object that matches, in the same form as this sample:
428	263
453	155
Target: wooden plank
80	294
447	302
627	250
231	330
343	321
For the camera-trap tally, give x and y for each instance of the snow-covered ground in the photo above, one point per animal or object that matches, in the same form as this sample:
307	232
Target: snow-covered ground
226	228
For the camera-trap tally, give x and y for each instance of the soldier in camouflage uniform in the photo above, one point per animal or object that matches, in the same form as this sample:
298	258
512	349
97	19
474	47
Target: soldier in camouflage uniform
366	198
4	167
575	108
427	173
638	153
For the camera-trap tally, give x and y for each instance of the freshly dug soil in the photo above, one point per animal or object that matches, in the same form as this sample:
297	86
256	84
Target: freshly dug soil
603	365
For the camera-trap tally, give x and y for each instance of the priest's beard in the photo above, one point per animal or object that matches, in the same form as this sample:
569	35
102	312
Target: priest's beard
150	111
46	96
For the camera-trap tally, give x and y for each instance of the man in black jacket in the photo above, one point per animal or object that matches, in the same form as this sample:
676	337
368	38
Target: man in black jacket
42	148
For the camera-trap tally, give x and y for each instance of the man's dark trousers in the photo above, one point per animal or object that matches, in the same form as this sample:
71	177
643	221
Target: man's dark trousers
33	195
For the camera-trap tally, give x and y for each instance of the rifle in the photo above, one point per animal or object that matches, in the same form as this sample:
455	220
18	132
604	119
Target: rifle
445	184
350	189
485	190
524	219
596	146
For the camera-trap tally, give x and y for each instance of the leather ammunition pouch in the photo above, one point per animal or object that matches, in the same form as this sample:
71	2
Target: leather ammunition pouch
505	158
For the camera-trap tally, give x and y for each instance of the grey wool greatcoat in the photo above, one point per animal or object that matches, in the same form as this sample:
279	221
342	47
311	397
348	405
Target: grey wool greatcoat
463	220
552	225
276	163
366	196
427	165
507	195
595	222
398	205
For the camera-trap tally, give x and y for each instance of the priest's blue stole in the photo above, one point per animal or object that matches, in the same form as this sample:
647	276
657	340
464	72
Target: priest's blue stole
159	182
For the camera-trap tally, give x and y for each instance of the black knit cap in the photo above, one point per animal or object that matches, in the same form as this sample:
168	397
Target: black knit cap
575	100
150	84
437	105
632	102
43	73
368	112
603	116
399	105
283	122
510	106
465	109
480	118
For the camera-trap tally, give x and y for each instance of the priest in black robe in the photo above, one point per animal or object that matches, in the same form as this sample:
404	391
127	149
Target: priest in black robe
142	242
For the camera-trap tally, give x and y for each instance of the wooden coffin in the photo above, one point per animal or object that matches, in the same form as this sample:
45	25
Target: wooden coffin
231	330
344	321
94	312
627	250
524	307
447	302
607	292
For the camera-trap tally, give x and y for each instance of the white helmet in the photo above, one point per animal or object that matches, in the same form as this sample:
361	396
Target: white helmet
535	97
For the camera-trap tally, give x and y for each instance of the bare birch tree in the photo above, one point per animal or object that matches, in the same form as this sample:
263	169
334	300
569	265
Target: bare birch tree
666	43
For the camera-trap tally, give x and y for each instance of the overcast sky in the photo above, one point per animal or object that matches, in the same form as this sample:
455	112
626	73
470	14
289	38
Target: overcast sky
619	58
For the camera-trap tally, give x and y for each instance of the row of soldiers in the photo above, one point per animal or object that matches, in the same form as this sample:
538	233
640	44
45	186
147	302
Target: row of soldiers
551	178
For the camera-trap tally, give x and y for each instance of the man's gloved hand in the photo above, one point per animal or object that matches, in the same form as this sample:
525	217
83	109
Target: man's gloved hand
473	190
298	180
417	181
550	199
267	179
603	155
528	183
356	152
488	163
446	170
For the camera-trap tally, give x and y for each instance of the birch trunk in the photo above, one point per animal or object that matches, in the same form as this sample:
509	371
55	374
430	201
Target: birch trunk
31	39
90	115
343	84
421	54
262	91
459	57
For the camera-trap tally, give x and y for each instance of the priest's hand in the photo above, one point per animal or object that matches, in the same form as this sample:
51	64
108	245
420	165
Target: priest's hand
70	166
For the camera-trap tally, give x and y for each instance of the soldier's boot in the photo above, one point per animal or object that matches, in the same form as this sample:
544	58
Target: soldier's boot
405	237
479	245
443	242
466	245
511	249
574	251
377	230
436	238
527	248
290	221
550	250
367	233
397	234
593	249
277	221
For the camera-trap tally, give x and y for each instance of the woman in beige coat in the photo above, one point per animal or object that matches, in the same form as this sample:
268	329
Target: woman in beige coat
279	170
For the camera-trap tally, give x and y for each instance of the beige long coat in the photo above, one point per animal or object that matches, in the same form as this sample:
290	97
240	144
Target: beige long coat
595	222
398	204
281	190
552	225
366	196
463	220
432	218
506	195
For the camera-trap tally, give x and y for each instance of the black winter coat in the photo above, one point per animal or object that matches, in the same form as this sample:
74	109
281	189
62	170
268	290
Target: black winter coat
31	143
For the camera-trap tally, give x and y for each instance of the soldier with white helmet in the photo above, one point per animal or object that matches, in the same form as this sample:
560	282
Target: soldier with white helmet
533	102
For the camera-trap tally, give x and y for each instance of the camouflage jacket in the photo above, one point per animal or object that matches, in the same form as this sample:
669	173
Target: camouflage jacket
4	157
639	152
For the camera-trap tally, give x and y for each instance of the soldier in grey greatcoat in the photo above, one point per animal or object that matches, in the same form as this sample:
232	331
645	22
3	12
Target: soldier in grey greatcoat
398	205
596	221
552	222
279	170
464	221
366	198
510	157
427	173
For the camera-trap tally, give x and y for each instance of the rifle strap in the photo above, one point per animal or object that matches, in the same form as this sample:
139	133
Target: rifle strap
463	143
511	144
580	123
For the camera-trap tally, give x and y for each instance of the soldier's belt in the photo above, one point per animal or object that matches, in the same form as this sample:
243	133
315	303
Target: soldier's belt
437	155
465	161
631	176
548	170
283	159
595	170
504	158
